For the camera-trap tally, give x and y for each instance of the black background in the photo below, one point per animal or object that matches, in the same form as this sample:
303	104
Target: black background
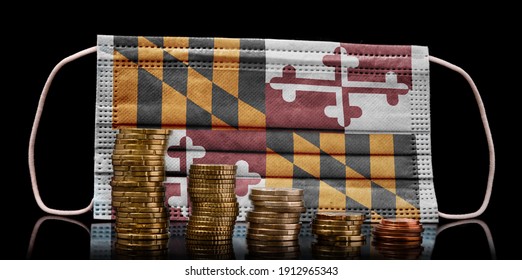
476	41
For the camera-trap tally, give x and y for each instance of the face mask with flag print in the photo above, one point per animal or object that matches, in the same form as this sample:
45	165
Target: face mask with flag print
347	123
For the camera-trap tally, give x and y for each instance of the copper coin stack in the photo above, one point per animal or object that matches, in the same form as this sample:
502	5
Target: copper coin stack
398	238
138	194
338	235
274	223
214	208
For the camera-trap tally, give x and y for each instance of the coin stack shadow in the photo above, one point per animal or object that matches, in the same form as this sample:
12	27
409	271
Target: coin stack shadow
138	194
214	210
338	235
398	238
274	223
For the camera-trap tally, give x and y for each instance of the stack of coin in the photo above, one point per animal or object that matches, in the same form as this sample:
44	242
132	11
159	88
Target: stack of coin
398	238
214	205
210	249
274	223
338	235
138	194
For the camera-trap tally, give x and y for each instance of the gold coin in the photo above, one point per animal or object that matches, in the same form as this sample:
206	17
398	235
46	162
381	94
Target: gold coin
211	192
261	243
143	210
275	226
138	152
143	221
192	242
137	194
341	238
197	209
139	147
278	204
191	226
275	197
141	142
141	230
139	179
212	199
276	191
206	223
135	184
141	215
138	168
343	216
141	136
139	189
197	181
139	173
275	249
209	220
144	131
137	204
138	157
211	177
193	185
206	212
138	243
332	227
193	232
259	214
140	225
337	222
224	196
142	236
212	172
283	209
336	232
269	231
213	166
132	248
218	249
216	204
138	162
138	199
271	237
272	220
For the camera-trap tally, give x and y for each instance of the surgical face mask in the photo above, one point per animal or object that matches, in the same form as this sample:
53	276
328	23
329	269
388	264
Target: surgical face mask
348	123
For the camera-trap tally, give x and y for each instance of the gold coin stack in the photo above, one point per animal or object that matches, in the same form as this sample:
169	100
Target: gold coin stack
338	235
398	238
138	194
214	205
210	249
274	223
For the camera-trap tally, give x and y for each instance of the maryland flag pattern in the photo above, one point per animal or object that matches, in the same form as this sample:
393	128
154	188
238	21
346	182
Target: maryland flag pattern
347	123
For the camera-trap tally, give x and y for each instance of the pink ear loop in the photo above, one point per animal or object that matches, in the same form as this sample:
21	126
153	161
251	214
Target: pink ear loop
484	226
34	130
491	147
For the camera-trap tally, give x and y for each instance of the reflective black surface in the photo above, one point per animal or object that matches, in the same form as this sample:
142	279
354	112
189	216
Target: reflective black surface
65	238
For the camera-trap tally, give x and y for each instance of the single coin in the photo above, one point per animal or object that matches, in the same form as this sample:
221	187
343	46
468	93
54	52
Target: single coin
142	231
138	152
213	166
216	204
138	189
139	173
341	238
211	191
132	248
337	222
259	214
328	232
144	243
275	226
131	193
195	181
212	172
278	204
269	231
271	237
196	212
139	199
135	184
276	191
211	177
140	142
213	199
142	236
141	221
391	245
137	157
334	227
275	249
227	242
139	168
261	243
272	220
400	222
213	195
343	216
143	210
283	209
275	197
141	225
208	237
138	162
195	185
141	215
137	204
394	233
213	218
144	131
212	224
139	179
397	238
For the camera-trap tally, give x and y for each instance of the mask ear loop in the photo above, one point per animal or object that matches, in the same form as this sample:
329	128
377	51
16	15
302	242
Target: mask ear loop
491	147
34	130
478	222
40	221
